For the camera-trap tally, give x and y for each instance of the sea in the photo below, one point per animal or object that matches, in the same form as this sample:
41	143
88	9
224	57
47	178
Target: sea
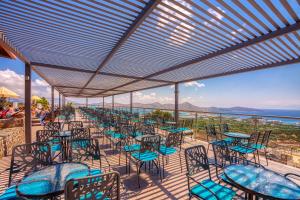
268	114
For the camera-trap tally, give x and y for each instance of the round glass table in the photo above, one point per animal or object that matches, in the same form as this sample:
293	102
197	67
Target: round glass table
262	182
51	180
237	135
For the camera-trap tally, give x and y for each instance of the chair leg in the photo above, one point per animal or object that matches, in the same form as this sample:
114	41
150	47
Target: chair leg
180	162
258	157
266	156
207	148
163	165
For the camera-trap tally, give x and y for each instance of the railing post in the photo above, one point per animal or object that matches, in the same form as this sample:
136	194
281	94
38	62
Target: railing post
52	102
27	103
103	102
176	114
196	123
113	102
131	102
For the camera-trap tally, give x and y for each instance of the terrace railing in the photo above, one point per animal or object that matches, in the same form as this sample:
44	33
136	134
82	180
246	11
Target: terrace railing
284	145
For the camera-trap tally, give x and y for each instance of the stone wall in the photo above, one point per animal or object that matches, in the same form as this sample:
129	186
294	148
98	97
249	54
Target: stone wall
10	137
11	122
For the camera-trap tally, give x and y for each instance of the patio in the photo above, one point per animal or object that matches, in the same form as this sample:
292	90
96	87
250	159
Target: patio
100	49
172	187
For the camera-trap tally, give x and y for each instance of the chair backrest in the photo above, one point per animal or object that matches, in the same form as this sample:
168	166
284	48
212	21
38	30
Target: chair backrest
55	126
173	139
254	137
224	128
83	150
196	160
74	124
211	130
104	186
45	135
80	133
148	129
150	143
222	155
27	158
266	138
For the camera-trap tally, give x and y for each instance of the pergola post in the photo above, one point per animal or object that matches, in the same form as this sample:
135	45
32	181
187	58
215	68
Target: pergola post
86	102
27	103
113	102
102	102
176	114
59	101
52	102
131	94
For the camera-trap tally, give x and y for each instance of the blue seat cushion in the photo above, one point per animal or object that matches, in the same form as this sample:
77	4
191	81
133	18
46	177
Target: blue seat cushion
89	195
228	140
131	148
80	144
242	149
164	150
165	128
54	148
94	172
145	156
118	136
136	134
220	191
10	194
258	146
109	132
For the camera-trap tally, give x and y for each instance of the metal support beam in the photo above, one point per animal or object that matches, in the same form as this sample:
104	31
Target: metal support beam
176	114
131	96
150	6
27	103
52	102
102	102
86	102
113	102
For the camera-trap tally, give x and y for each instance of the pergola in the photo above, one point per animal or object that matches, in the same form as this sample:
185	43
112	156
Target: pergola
104	48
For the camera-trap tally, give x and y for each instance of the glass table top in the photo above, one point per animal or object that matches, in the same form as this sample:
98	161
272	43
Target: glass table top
237	135
262	181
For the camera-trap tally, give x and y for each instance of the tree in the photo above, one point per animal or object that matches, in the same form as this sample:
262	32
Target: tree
44	102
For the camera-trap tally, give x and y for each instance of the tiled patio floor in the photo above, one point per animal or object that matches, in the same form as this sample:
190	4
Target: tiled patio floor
174	186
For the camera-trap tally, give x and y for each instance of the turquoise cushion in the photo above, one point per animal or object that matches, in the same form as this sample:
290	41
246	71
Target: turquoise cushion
166	150
10	194
89	196
133	147
242	149
94	172
164	128
258	146
80	144
228	140
136	134
54	148
145	156
220	191
109	132
118	136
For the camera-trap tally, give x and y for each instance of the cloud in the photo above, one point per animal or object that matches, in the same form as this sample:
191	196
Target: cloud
194	84
151	98
15	82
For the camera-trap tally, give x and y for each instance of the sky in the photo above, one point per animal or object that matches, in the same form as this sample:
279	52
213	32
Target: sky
276	88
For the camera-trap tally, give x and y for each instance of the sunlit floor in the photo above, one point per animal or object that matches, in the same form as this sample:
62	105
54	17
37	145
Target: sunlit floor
173	186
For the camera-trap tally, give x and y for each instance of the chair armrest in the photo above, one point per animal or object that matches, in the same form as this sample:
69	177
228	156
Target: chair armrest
291	174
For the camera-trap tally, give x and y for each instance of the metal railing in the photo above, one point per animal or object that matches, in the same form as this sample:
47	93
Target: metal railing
284	143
